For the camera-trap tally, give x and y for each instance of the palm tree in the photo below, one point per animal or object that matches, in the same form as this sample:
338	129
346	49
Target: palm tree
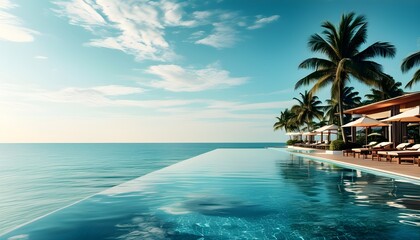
307	109
286	121
344	59
388	88
350	98
408	63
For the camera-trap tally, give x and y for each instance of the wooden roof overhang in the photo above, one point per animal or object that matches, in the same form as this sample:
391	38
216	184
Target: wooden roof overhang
409	100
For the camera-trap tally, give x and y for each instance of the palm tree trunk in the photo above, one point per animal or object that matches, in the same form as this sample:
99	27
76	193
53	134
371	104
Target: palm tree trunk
340	109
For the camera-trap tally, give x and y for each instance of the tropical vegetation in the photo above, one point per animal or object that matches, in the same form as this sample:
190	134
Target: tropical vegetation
408	63
308	108
388	88
350	99
340	59
344	60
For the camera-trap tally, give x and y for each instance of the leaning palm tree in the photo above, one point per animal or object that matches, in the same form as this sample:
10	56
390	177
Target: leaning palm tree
286	121
309	107
408	63
388	88
344	59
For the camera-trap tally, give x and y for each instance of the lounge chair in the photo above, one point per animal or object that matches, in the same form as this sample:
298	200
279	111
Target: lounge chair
400	147
374	151
324	145
371	144
367	151
407	155
313	145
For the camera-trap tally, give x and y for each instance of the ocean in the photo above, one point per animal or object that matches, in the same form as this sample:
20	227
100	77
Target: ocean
36	179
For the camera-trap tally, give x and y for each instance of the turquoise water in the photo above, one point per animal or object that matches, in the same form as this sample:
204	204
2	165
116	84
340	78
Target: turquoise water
36	179
241	194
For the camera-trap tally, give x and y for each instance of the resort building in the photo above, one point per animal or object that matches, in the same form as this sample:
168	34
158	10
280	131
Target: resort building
397	131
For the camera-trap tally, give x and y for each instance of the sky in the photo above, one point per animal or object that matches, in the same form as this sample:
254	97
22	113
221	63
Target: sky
168	70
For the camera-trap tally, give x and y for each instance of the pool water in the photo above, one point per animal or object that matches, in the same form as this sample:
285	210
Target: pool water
241	194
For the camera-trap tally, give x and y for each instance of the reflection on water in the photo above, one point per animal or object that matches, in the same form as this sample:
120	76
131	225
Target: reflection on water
217	206
242	194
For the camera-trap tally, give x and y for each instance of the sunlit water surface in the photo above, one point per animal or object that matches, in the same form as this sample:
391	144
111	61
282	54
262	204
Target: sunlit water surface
36	179
241	194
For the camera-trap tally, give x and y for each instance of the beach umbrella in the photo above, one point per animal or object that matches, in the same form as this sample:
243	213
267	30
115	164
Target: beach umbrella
328	129
310	134
365	122
412	115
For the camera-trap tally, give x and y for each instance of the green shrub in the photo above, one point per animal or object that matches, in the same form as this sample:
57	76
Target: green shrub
340	145
337	145
290	142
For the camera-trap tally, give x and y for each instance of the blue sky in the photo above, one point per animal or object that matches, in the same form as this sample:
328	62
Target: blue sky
170	71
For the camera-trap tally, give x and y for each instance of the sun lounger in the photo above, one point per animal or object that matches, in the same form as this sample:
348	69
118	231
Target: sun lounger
324	145
314	145
371	144
401	146
367	151
407	155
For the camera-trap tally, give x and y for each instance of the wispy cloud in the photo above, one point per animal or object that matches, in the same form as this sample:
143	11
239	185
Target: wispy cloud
117	90
113	96
94	95
11	27
227	27
262	21
178	79
223	36
40	57
134	27
99	96
139	27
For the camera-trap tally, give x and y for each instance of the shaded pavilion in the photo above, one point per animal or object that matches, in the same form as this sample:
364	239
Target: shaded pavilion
385	109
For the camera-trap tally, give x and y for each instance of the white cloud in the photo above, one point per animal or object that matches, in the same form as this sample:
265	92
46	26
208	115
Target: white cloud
6	4
98	96
237	106
262	21
202	15
134	27
223	36
40	57
178	79
117	90
11	28
173	12
81	13
139	27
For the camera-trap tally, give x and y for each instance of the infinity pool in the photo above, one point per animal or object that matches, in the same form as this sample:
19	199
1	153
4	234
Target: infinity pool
241	194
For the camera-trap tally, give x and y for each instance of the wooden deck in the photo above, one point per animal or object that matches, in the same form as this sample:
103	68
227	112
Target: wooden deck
407	170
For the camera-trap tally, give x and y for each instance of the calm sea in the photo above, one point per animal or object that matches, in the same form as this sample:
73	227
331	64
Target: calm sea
36	179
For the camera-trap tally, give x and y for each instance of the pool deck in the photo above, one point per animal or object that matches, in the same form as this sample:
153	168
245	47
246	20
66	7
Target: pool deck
407	169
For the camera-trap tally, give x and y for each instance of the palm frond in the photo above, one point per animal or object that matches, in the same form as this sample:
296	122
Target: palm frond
415	79
383	49
321	83
316	63
358	39
410	61
318	44
314	76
